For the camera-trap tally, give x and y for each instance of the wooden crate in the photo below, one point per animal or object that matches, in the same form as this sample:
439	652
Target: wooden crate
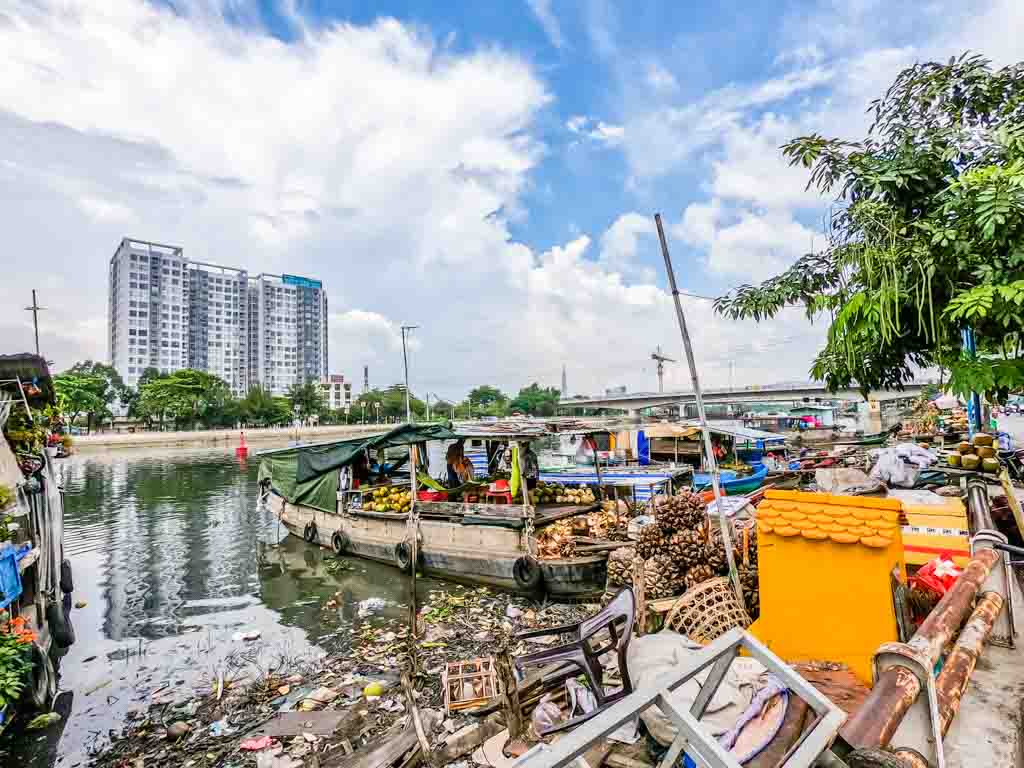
469	684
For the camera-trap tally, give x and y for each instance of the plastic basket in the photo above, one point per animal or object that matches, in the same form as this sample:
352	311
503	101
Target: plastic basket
10	578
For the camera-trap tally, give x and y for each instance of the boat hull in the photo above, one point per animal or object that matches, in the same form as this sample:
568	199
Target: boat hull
466	553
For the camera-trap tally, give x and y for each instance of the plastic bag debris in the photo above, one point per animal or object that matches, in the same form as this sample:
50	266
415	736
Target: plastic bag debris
546	714
370	605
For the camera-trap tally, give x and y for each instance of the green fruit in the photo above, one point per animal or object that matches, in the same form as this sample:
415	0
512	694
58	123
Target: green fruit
990	465
970	461
953	459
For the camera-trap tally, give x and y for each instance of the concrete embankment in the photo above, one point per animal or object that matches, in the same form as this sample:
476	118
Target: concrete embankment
262	438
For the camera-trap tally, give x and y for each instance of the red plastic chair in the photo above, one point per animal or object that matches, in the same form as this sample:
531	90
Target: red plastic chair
499	493
583	656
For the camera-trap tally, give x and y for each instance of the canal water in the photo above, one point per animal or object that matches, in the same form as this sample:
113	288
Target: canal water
165	552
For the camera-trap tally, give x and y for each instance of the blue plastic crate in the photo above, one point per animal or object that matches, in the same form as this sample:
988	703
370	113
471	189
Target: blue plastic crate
10	578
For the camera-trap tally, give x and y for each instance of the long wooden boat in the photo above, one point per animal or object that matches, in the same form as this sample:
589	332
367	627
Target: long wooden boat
731	483
469	543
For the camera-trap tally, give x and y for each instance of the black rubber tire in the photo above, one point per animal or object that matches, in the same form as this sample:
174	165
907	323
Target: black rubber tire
309	533
403	556
61	630
527	573
339	543
874	758
42	685
67	580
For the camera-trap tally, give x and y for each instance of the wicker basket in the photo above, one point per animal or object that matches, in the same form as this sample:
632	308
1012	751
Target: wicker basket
707	611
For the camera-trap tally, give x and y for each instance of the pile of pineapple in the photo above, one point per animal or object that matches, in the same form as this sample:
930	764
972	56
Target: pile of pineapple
557	493
390	498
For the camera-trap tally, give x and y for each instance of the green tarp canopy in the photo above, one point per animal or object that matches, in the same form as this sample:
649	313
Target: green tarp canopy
307	474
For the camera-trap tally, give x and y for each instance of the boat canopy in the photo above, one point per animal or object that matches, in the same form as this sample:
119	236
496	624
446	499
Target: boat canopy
305	474
742	435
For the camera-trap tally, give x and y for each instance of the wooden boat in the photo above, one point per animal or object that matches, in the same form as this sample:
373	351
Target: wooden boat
467	542
875	439
732	484
469	545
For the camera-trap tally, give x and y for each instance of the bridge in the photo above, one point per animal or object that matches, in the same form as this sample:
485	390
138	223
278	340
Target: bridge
769	393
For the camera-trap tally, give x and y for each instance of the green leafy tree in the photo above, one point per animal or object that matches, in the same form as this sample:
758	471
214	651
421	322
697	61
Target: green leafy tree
309	398
89	388
187	397
78	394
391	402
262	408
926	238
536	400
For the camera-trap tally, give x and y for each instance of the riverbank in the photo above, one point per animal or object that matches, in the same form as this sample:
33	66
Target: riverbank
214	438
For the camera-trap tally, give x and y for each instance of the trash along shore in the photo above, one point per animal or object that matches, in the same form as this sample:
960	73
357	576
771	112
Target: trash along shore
350	709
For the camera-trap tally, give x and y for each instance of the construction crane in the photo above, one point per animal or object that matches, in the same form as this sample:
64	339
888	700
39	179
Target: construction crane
661	360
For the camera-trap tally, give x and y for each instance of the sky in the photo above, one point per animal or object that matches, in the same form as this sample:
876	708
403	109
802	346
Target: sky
486	171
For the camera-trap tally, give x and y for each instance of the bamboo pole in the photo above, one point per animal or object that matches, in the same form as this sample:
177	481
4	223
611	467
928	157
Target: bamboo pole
701	414
413	527
640	593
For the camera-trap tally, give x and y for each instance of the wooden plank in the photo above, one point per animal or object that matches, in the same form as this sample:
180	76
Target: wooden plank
387	749
663	604
1012	500
560	513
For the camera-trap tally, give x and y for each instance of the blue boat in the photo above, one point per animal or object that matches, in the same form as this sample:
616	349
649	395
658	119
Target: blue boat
732	484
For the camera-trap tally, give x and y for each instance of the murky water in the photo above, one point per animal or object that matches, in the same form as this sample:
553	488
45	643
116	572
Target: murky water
164	550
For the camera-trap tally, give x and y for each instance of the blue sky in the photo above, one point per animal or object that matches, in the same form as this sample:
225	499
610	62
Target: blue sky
488	171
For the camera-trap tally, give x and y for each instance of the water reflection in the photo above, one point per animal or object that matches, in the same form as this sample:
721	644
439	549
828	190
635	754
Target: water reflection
164	549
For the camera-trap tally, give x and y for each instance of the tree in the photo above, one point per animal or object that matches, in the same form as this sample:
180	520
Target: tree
91	388
260	407
186	396
391	402
926	239
309	398
79	393
536	400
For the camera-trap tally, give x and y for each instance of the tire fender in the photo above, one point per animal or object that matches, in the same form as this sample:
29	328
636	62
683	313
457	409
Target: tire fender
61	630
43	679
67	580
339	543
309	533
403	556
527	573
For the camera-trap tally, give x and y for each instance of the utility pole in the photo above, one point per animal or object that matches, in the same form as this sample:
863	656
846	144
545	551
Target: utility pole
661	359
405	362
35	309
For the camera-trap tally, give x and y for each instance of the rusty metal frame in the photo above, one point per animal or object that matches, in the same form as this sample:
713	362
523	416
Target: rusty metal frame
1000	579
920	727
699	743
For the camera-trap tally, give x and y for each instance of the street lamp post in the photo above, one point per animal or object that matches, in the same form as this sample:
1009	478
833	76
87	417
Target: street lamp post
405	362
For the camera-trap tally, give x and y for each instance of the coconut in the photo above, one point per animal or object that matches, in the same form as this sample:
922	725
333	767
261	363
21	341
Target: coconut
970	461
953	459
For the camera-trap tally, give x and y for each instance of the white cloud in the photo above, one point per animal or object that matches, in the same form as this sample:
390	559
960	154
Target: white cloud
620	245
597	131
744	244
104	209
548	21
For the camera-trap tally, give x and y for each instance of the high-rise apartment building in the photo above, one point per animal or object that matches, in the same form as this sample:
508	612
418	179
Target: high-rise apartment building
169	313
148	313
219	323
289	342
